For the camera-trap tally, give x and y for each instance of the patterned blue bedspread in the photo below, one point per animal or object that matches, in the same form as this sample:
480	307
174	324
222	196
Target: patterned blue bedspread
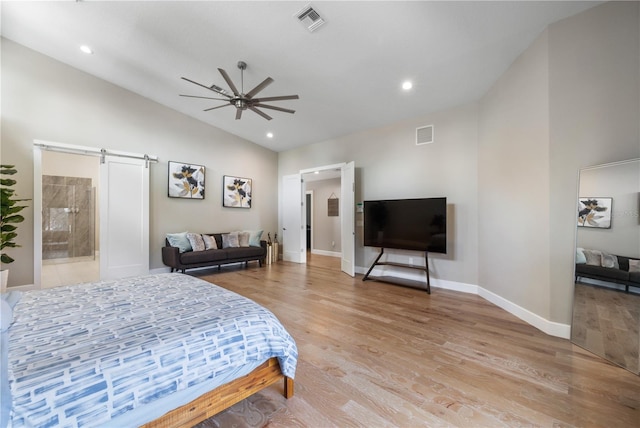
85	354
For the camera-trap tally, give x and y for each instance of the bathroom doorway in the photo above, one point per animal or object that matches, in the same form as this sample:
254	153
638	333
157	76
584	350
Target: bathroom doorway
70	221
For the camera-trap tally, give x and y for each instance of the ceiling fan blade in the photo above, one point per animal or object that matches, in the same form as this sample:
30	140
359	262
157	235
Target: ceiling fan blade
286	110
266	116
206	87
227	79
206	98
258	88
213	108
238	113
280	98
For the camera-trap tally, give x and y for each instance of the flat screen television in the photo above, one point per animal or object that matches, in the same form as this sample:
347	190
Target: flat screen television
407	224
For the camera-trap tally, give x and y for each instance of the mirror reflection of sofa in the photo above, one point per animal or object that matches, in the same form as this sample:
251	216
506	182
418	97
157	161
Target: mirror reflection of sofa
602	266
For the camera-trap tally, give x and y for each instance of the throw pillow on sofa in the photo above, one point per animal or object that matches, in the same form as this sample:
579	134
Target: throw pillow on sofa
230	240
243	239
634	265
610	261
196	241
254	237
581	259
179	240
209	242
594	257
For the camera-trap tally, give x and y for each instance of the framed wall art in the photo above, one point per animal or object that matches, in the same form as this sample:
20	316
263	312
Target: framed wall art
595	212
186	180
236	192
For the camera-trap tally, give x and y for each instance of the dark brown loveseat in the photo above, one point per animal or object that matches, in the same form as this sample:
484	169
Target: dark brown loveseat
177	261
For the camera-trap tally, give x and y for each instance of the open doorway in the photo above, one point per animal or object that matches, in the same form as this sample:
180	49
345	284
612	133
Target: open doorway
324	234
70	219
294	217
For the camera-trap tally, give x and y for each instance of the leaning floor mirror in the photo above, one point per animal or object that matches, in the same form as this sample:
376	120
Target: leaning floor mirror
606	306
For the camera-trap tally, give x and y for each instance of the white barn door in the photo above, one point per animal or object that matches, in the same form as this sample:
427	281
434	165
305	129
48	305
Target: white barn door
124	217
293	248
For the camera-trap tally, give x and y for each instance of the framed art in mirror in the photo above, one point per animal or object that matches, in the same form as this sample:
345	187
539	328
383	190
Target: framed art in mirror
186	180
236	192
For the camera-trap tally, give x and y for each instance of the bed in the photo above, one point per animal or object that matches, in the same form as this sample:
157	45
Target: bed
159	350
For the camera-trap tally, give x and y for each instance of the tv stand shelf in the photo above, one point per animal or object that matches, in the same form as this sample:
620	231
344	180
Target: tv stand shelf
400	281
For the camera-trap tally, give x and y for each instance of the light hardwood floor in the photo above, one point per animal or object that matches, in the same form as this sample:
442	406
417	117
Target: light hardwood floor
606	322
378	355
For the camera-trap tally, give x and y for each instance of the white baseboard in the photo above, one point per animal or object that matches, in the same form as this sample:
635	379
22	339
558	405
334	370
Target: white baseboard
549	327
326	253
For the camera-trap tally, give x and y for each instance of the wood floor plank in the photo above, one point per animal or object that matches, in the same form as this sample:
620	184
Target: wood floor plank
377	355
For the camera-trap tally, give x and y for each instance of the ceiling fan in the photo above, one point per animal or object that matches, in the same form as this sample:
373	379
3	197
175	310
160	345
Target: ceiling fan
239	99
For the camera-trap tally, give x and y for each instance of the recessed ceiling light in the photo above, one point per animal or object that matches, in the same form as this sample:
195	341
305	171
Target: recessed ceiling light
86	49
407	85
269	134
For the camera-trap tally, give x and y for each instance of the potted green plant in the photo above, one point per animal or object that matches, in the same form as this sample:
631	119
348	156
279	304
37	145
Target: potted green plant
9	217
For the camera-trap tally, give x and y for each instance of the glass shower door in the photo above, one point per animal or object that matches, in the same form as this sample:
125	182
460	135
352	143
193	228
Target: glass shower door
68	217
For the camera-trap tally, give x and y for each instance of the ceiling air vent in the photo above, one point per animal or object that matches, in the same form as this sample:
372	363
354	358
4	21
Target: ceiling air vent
424	135
310	18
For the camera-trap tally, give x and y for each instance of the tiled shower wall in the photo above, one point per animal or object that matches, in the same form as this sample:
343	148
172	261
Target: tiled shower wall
68	217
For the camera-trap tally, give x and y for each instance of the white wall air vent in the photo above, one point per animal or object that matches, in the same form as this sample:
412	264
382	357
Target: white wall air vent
310	18
424	135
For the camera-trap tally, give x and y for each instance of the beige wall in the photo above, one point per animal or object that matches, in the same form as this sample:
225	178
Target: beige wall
389	165
513	183
47	100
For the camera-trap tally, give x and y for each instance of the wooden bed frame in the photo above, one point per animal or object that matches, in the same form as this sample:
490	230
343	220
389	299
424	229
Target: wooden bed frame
224	396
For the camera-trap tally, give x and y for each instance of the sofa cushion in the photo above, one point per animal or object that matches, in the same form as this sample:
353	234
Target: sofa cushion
230	240
193	257
239	252
602	272
196	241
635	277
180	241
209	242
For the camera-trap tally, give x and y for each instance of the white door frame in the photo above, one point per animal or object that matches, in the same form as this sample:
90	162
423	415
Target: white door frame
344	232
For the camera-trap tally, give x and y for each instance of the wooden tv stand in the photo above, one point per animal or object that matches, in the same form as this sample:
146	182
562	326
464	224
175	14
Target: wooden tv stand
401	281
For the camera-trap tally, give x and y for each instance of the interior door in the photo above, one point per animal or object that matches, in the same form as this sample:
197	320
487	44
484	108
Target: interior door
293	246
347	218
124	217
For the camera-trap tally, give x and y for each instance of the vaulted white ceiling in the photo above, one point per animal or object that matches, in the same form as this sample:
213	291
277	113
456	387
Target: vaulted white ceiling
348	73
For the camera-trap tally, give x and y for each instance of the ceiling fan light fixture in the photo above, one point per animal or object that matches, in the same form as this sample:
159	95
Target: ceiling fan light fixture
240	100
